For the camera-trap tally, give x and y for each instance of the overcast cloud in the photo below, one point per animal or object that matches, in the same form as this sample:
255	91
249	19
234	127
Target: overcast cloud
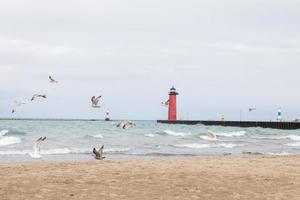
222	56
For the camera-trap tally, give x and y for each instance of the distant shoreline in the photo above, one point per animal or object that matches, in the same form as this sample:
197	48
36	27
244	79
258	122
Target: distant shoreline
66	119
48	119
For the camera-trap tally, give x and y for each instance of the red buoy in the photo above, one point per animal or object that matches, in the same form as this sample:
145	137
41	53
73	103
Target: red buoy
172	115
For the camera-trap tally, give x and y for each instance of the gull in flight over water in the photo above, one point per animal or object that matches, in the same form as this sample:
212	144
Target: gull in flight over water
95	101
126	124
99	154
17	104
37	148
166	103
38	96
52	80
212	136
251	109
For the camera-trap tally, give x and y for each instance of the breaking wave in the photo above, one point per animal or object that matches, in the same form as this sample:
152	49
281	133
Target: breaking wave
3	132
280	154
291	137
231	134
8	140
297	144
93	136
205	137
58	151
202	146
294	137
116	150
149	135
98	136
193	145
178	134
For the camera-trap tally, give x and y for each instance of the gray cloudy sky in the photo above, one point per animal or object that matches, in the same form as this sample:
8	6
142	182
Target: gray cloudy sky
222	56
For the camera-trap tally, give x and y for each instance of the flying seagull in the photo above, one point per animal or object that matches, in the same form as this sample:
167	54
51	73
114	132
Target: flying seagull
52	80
17	104
212	136
95	101
37	148
99	154
251	109
166	103
125	124
38	96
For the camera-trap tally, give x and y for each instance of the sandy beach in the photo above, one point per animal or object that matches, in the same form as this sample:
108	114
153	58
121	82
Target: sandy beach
245	177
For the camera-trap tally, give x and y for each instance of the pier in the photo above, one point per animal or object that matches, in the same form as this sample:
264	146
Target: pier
245	124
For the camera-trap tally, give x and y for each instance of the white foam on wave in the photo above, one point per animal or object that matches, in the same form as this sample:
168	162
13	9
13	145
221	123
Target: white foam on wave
56	151
23	152
173	133
202	146
43	152
193	145
8	140
3	132
270	137
294	137
150	135
291	137
280	154
98	136
297	144
205	137
231	134
108	150
228	145
116	150
59	151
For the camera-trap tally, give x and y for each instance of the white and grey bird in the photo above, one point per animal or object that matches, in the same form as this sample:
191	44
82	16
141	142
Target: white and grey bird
125	124
36	150
38	96
52	80
165	103
251	109
98	155
95	101
212	136
16	105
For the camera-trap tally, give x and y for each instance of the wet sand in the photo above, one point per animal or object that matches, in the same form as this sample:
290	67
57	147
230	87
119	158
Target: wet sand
227	177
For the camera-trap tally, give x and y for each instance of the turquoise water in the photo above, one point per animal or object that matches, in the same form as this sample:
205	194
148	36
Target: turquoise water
74	140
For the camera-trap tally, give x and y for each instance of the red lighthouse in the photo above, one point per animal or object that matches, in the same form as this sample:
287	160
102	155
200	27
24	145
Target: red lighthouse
172	104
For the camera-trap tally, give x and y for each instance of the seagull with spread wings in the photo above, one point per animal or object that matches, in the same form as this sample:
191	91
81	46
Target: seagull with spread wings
166	103
125	124
251	109
212	136
52	80
16	105
99	154
95	101
38	96
37	148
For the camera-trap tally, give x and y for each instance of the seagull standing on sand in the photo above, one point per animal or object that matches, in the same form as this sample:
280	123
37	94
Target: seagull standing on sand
37	148
17	104
99	154
38	96
52	80
95	101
